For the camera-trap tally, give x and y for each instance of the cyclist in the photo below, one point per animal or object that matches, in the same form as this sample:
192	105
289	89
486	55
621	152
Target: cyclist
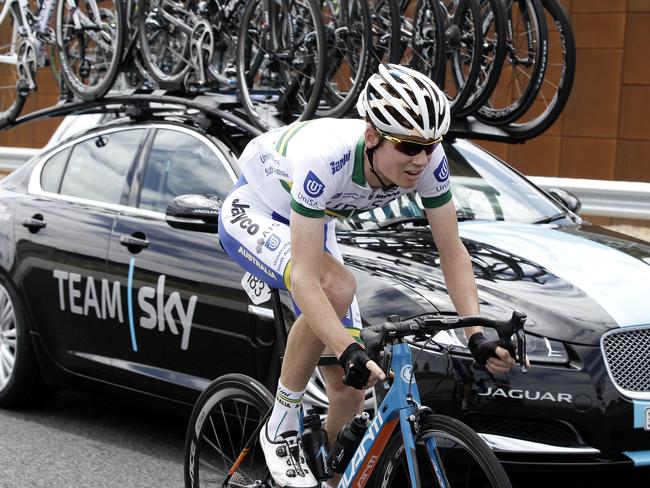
278	223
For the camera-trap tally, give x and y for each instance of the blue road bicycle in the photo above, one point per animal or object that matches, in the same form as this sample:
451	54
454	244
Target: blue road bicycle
406	444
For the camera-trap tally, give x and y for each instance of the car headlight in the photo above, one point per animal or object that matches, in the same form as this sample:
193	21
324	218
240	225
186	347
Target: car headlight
540	350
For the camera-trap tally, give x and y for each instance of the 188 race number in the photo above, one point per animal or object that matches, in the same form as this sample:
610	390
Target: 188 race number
258	291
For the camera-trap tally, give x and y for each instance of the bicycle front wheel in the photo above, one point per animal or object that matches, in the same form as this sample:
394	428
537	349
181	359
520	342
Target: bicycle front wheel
90	35
462	458
224	419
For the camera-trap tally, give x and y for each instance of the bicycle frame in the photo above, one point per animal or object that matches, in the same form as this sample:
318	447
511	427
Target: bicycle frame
399	404
17	8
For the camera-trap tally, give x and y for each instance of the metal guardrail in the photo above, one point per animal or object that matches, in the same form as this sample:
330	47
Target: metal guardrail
622	199
603	198
12	157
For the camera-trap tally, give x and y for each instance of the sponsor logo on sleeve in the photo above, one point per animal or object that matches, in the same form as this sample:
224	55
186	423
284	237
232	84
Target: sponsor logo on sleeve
338	165
442	171
313	186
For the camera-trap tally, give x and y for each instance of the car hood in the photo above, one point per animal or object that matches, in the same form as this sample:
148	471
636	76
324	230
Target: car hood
574	282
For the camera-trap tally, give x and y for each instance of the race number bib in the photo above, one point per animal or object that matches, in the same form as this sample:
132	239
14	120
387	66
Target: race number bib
258	291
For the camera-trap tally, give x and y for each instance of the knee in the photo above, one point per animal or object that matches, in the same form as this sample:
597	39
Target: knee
340	286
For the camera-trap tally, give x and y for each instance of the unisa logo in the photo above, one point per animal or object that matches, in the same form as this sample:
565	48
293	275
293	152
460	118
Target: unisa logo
272	242
313	186
442	171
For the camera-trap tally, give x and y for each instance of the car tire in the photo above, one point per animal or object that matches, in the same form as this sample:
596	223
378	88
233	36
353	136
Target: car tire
21	383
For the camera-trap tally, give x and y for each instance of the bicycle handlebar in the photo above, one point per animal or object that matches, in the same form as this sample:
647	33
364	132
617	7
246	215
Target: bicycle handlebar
377	336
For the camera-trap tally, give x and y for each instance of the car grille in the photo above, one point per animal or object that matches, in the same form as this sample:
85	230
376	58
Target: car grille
627	357
551	433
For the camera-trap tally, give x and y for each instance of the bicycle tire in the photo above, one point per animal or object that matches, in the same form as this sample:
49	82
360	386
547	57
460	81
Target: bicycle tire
349	51
504	105
531	124
74	70
165	58
286	79
463	47
217	402
425	30
475	466
386	30
494	28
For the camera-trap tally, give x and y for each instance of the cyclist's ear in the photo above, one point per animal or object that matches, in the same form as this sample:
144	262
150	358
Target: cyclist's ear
371	136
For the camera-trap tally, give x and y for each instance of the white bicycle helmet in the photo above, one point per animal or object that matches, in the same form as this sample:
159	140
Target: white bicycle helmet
403	102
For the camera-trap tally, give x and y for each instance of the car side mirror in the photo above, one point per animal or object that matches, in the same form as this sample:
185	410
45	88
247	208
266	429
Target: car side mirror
194	212
566	198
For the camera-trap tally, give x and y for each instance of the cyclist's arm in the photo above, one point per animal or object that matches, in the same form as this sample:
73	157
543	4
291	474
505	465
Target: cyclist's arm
459	275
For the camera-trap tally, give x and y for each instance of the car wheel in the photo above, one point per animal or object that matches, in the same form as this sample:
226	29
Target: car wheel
316	397
20	379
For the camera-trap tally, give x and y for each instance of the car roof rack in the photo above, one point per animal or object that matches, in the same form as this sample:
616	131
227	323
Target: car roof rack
208	113
210	110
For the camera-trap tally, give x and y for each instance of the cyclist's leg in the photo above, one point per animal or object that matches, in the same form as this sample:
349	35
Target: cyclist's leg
259	241
344	401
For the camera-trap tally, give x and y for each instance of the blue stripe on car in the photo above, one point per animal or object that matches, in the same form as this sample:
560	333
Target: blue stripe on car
640	413
640	458
129	298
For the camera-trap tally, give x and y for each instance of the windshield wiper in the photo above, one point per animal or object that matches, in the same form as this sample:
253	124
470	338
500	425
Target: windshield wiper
551	218
418	221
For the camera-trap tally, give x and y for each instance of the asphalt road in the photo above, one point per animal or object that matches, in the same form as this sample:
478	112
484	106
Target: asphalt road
84	440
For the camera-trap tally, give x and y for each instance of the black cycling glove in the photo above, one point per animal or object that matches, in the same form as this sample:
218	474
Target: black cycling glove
353	360
482	349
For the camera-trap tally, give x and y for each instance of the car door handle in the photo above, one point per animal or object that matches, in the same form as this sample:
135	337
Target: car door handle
35	223
134	242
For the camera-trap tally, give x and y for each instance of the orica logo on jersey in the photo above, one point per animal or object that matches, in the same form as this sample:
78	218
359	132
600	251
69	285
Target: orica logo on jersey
273	242
442	171
313	185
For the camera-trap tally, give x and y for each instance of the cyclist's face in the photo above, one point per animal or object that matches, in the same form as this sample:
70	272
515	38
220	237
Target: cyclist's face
401	169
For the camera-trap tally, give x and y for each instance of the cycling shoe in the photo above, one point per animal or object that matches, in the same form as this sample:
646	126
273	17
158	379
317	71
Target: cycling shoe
286	460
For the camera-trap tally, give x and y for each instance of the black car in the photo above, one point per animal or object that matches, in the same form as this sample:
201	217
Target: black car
97	288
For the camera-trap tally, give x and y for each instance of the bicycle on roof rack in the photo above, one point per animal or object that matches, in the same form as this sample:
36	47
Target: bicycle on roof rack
88	37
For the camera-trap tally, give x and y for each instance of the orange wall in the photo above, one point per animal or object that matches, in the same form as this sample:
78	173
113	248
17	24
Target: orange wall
604	131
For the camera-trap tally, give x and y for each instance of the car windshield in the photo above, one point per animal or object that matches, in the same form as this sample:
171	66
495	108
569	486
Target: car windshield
483	188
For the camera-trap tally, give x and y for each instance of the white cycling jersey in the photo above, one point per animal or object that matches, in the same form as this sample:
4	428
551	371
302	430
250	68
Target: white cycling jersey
316	169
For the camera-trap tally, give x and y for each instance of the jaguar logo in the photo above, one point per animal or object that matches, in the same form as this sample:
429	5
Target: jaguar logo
527	395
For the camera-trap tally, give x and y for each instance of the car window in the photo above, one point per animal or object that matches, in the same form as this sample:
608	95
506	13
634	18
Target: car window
98	166
178	164
53	171
486	189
